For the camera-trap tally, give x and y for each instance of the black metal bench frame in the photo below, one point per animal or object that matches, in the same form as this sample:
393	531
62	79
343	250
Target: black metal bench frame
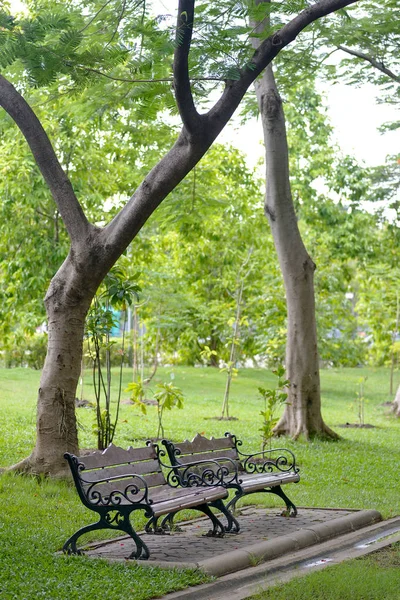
264	471
116	482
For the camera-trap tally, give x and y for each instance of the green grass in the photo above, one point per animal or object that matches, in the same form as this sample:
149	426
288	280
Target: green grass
37	517
374	577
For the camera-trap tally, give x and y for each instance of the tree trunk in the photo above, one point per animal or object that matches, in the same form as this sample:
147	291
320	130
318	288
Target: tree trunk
396	403
302	413
67	302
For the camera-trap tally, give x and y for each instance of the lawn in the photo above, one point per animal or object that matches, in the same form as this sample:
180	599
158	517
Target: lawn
40	515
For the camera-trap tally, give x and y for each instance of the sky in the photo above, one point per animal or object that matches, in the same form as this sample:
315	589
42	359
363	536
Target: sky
355	116
353	112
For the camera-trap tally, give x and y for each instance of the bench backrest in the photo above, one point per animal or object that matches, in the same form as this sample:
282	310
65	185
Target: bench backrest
204	449
115	476
229	448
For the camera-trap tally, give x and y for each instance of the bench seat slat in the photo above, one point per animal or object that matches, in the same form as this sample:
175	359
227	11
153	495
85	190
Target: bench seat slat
252	482
189	500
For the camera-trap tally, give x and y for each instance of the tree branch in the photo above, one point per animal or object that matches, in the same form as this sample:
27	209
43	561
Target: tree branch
265	53
149	80
372	61
43	152
183	92
166	175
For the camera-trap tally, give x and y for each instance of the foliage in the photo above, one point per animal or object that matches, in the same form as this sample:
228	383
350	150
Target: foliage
78	59
167	397
106	132
207	354
273	398
371	32
190	254
28	351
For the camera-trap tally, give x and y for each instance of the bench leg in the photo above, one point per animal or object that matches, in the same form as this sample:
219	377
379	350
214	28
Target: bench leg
70	545
218	529
231	506
233	525
152	528
168	523
116	521
291	510
142	551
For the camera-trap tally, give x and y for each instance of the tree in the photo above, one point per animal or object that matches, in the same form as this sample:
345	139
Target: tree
94	249
302	414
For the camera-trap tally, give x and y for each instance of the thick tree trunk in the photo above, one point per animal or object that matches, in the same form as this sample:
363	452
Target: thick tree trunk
302	413
396	403
67	303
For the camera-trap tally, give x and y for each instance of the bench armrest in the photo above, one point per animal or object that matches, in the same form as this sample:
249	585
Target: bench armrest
105	491
132	491
266	461
210	472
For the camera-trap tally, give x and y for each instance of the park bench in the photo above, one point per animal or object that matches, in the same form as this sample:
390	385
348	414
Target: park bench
116	482
264	471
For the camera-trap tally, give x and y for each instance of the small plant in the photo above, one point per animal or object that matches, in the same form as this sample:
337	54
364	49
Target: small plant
206	355
113	298
137	394
168	397
361	401
273	399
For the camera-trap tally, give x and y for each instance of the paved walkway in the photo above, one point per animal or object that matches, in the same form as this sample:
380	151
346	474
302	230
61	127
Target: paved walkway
264	535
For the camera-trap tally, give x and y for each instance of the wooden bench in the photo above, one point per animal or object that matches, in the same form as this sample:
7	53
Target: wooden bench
116	482
247	474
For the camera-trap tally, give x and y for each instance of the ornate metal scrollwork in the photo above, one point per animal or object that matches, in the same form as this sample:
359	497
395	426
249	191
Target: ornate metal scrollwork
206	473
266	461
131	494
114	518
280	459
173	478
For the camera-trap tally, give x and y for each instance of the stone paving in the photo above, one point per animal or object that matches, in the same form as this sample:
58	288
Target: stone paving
190	547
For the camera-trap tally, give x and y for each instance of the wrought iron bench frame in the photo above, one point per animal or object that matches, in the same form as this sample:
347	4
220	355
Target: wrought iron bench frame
264	471
116	482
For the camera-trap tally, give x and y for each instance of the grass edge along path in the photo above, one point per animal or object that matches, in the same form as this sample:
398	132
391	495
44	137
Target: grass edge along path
372	577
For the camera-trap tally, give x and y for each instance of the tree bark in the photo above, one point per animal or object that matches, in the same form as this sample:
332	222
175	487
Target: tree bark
396	403
67	302
302	414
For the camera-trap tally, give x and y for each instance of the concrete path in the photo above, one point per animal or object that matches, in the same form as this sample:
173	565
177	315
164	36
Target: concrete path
245	583
264	536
